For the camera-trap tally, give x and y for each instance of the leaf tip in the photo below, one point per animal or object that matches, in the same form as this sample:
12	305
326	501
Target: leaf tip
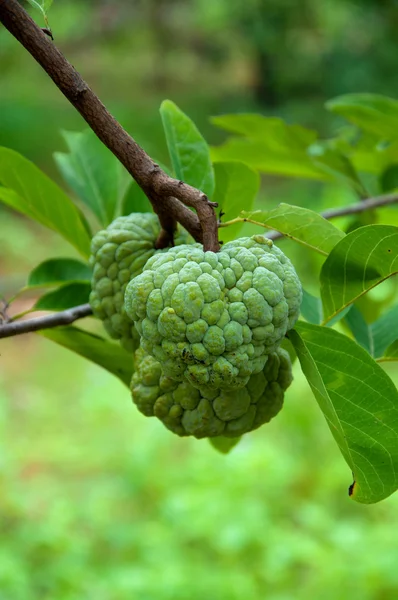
167	105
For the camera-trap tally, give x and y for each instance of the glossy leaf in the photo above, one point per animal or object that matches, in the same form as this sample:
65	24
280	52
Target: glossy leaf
389	179
371	112
37	5
100	351
43	6
335	163
311	308
269	145
94	174
300	224
189	152
363	259
135	200
58	270
224	444
391	354
31	192
360	404
66	296
375	337
237	186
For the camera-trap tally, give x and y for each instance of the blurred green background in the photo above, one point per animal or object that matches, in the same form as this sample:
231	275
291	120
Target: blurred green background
96	501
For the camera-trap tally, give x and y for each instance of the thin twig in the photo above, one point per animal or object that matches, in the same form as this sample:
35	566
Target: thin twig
65	317
334	213
362	206
4	305
161	189
73	314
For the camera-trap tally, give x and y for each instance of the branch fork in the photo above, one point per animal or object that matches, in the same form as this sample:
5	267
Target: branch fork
170	198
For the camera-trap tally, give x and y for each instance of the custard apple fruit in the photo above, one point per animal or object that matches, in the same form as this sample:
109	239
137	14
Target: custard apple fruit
213	318
118	254
186	410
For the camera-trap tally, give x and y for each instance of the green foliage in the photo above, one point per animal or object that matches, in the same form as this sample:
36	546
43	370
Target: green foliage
188	150
391	354
66	296
29	191
362	260
299	224
371	112
43	6
360	404
356	396
100	351
311	308
58	270
94	174
329	158
268	145
135	200
237	185
375	337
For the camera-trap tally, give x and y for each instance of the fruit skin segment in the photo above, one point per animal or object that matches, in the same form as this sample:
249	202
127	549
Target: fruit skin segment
119	253
186	410
212	319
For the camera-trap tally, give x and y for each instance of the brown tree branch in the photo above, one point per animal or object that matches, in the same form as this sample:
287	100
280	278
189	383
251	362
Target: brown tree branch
66	317
73	314
158	186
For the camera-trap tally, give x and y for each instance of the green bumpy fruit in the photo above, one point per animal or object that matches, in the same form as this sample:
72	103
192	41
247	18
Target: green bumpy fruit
185	410
118	254
213	318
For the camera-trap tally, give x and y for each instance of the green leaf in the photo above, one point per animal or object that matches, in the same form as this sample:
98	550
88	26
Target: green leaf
336	164
377	336
391	354
224	444
189	152
360	329
389	179
135	200
94	174
37	5
59	270
311	308
106	354
300	224
359	262
29	191
371	112
360	404
66	296
47	5
237	186
269	145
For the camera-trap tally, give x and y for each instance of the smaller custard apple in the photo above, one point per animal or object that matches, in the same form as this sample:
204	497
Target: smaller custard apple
186	410
213	318
119	253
